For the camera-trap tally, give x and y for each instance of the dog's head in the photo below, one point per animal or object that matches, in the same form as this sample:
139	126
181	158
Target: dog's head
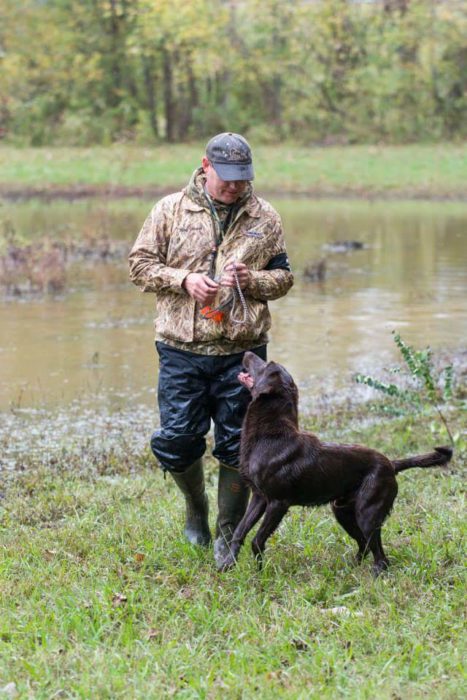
266	378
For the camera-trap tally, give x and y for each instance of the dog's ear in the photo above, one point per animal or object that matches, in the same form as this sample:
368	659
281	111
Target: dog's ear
267	382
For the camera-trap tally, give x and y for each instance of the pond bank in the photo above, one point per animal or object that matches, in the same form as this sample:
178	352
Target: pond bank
74	192
415	171
108	436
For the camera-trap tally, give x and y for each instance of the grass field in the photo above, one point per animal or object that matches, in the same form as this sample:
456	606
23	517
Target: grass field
102	598
415	170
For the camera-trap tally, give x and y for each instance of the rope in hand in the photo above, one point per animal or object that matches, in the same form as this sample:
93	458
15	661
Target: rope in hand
241	298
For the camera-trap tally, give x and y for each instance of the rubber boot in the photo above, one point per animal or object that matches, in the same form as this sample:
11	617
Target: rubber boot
232	501
191	484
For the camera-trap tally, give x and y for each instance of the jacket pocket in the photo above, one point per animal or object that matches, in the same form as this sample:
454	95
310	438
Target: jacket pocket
175	317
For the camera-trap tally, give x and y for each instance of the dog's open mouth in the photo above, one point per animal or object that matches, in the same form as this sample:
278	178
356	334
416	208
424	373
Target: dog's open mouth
246	379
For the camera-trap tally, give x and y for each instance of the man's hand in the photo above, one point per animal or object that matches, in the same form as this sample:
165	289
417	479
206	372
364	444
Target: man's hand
200	287
228	277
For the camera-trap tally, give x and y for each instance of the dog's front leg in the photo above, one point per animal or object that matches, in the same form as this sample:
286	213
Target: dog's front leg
275	511
255	510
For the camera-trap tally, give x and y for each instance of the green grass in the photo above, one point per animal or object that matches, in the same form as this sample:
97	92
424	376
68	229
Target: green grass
102	598
416	170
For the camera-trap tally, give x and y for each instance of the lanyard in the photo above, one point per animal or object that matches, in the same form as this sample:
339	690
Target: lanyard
219	227
222	227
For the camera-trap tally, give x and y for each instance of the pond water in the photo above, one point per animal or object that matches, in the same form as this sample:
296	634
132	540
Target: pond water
94	342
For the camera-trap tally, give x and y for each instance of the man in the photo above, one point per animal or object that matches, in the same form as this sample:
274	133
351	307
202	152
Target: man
214	254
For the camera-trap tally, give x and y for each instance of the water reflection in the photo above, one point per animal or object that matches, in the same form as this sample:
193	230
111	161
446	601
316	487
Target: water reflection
96	339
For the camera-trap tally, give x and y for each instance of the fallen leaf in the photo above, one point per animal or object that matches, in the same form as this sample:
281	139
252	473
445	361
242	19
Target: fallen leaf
342	610
119	599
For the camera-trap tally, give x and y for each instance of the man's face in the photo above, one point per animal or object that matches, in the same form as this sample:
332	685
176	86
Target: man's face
223	191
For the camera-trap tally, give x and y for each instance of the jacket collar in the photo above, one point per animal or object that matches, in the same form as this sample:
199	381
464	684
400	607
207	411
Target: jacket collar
190	205
252	207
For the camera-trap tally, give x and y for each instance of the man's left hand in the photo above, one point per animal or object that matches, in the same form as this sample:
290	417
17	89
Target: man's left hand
228	276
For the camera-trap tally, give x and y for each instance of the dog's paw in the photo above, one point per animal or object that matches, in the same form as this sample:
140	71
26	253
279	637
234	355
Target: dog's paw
226	564
380	567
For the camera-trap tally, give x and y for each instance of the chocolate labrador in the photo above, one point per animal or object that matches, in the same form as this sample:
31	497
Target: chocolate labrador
285	467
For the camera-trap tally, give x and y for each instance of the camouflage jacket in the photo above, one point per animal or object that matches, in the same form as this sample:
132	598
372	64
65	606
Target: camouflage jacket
180	236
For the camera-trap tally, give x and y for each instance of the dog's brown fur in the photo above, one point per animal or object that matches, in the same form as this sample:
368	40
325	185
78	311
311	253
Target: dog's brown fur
285	467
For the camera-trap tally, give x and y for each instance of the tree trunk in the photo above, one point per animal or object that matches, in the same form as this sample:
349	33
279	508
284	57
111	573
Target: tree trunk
272	90
169	103
391	6
189	102
116	56
150	87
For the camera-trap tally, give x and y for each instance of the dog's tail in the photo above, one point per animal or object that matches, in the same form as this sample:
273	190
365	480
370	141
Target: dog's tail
438	458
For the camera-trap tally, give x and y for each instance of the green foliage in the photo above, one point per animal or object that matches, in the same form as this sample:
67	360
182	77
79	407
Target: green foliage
326	72
432	387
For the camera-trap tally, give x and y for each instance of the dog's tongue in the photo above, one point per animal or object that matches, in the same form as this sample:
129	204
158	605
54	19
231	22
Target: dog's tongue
245	379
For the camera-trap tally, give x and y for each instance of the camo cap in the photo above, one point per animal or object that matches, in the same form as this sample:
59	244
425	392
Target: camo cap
230	155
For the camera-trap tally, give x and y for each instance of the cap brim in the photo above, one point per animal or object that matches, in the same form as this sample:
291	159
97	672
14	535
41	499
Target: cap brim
234	171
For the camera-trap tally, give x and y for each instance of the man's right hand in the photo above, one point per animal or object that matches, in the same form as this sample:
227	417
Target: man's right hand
200	287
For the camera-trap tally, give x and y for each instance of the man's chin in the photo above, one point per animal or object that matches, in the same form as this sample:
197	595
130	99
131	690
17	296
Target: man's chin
228	198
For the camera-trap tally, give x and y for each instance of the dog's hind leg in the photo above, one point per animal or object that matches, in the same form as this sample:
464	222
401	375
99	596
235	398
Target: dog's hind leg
275	511
375	545
344	511
255	510
373	504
